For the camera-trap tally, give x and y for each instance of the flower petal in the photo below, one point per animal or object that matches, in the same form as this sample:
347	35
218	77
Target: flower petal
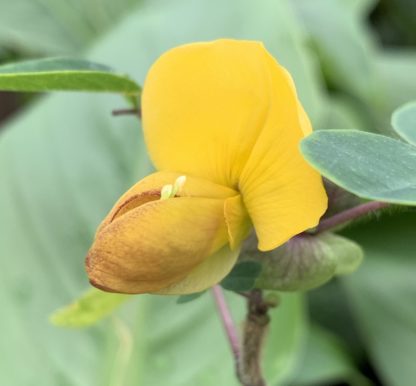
282	193
203	105
210	272
148	189
238	222
156	244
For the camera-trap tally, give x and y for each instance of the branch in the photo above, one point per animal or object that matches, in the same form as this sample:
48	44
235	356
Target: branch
349	215
254	333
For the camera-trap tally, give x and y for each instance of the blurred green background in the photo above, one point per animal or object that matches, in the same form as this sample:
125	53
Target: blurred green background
64	161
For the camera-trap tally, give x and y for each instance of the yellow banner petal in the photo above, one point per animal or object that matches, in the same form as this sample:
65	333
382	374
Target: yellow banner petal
203	106
226	111
282	193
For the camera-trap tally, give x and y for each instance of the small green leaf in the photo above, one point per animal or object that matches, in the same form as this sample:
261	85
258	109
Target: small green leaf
243	276
88	309
403	121
56	74
189	298
371	166
306	262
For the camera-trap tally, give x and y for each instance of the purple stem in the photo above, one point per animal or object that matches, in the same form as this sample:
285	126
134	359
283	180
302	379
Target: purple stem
227	321
350	214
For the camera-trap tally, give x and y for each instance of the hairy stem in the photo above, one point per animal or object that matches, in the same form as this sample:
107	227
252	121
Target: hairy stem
255	330
349	215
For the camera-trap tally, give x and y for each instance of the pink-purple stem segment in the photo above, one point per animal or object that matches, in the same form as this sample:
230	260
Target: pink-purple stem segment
349	215
227	321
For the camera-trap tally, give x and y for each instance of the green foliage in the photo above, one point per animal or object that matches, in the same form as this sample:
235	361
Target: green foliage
92	306
326	361
347	60
50	27
285	339
243	276
64	75
396	69
404	122
64	162
382	295
189	298
369	165
305	262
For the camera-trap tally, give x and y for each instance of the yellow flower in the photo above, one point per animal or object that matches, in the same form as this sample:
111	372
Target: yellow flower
226	115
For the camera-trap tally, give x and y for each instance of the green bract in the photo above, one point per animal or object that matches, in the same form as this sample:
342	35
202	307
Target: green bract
304	262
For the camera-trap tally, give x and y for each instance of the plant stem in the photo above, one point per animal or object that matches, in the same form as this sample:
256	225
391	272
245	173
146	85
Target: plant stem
228	323
349	215
255	329
127	112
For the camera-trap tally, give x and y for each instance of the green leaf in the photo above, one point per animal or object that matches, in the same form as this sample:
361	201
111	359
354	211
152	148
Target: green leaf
243	276
305	261
285	338
382	294
371	166
189	298
64	75
326	361
349	60
404	122
65	27
396	69
88	309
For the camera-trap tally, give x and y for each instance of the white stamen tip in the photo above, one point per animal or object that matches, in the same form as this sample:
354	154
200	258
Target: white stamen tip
166	192
179	183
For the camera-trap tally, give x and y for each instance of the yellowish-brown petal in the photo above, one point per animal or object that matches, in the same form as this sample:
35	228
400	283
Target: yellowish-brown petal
156	245
282	193
148	189
203	106
210	272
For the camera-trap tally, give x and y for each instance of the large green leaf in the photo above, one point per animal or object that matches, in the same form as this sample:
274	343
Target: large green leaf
371	166
382	294
58	27
285	339
180	354
345	47
397	83
326	361
396	69
58	74
62	166
404	122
